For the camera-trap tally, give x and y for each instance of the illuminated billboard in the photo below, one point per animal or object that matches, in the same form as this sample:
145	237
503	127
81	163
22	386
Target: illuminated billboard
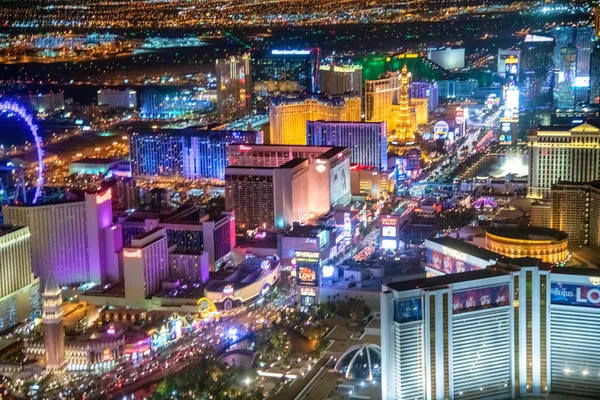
290	52
408	310
512	98
389	244
389	221
480	298
388	231
450	263
307	267
575	295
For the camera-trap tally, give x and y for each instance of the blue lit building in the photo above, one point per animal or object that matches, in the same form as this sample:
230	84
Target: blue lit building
187	153
160	103
366	140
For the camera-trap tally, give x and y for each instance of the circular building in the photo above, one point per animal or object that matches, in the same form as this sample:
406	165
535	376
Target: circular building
549	245
362	361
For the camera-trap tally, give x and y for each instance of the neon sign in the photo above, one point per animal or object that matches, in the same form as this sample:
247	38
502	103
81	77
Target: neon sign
290	52
132	253
454	254
307	275
308	256
389	221
245	148
101	198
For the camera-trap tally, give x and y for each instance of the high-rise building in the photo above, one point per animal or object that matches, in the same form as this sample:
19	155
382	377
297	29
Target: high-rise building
52	319
164	103
279	195
507	331
145	266
513	56
595	75
288	116
579	39
282	71
339	79
536	81
576	210
565	85
72	240
19	297
117	99
253	171
583	43
49	102
426	90
185	153
404	128
366	140
564	36
234	86
570	211
562	155
188	229
379	97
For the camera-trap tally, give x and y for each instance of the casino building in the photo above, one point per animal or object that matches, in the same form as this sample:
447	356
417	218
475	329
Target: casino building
502	332
496	325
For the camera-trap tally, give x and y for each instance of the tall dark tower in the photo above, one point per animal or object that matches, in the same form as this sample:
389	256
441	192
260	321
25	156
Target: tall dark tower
54	334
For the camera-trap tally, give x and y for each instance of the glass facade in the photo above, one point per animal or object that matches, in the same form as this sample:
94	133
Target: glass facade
186	153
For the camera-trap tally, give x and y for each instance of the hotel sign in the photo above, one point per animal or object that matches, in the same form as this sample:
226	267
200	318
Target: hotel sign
307	256
574	295
457	255
389	221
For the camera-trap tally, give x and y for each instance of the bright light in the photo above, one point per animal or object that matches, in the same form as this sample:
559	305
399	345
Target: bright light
7	106
328	271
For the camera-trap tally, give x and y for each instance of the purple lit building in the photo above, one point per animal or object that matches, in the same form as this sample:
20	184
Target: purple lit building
74	240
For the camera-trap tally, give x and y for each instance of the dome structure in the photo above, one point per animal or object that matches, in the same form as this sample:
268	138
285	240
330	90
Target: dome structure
362	361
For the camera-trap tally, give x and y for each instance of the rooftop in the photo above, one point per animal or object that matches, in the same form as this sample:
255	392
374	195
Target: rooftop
466	248
533	233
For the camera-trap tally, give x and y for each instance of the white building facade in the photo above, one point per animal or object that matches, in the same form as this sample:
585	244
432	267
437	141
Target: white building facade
498	333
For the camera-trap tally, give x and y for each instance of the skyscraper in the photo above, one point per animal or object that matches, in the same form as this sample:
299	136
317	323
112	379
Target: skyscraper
184	153
562	155
279	194
69	239
339	79
379	96
565	85
234	86
288	116
52	319
19	296
258	173
537	69
145	265
595	75
282	72
404	127
366	140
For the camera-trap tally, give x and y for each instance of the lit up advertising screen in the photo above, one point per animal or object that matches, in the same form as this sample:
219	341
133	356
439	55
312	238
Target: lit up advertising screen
451	263
480	299
505	127
388	231
389	244
408	310
575	295
307	268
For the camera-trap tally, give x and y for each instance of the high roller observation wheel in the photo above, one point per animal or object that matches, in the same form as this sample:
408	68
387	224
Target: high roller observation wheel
9	106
